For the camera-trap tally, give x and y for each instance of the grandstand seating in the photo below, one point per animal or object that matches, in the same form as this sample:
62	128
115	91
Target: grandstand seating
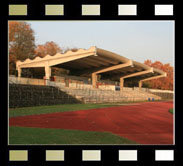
92	95
21	95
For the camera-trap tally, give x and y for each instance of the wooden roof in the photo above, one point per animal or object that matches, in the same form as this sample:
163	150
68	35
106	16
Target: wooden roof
85	62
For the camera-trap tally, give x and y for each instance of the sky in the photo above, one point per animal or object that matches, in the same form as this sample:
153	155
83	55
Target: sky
136	40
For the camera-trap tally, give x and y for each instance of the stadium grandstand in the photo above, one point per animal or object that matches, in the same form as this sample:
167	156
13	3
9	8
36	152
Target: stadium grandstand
95	75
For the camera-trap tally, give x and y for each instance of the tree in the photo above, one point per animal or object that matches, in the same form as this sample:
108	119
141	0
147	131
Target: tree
49	48
71	49
161	83
21	43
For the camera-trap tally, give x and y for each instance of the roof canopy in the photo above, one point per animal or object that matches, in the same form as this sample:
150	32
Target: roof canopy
94	60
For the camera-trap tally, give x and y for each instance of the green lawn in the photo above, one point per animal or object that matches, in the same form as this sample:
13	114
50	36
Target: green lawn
54	108
171	110
25	135
61	108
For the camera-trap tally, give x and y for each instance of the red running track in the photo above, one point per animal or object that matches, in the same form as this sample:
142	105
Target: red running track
145	123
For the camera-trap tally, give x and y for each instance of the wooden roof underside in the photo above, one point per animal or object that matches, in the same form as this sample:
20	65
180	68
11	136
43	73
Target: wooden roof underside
85	62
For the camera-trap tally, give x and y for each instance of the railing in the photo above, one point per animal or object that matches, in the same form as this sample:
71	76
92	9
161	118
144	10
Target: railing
103	99
29	81
161	91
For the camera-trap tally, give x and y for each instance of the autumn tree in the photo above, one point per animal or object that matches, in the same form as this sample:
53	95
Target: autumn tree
161	83
49	48
74	49
21	43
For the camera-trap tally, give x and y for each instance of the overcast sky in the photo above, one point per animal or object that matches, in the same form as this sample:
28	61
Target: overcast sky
137	40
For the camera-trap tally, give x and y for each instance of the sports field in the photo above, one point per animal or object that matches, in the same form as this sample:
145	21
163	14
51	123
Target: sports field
137	123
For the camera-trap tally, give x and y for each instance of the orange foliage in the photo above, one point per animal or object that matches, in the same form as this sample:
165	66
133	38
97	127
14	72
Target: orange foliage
49	48
21	43
161	83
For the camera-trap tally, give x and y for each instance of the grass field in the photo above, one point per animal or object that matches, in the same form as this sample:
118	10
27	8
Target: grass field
25	135
54	108
171	110
61	108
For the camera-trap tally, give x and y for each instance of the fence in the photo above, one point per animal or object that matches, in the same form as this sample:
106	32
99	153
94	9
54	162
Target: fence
114	99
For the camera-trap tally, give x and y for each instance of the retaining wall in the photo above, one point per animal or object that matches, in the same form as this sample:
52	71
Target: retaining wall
35	95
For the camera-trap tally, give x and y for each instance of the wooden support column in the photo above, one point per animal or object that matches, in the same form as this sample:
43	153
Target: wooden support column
150	70
121	83
140	85
115	67
47	72
94	80
19	72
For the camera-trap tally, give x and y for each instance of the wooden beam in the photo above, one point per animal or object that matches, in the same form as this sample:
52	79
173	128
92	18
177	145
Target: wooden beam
154	77
115	67
58	58
30	65
151	78
138	73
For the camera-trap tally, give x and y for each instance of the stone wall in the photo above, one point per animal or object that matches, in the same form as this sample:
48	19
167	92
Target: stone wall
35	95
